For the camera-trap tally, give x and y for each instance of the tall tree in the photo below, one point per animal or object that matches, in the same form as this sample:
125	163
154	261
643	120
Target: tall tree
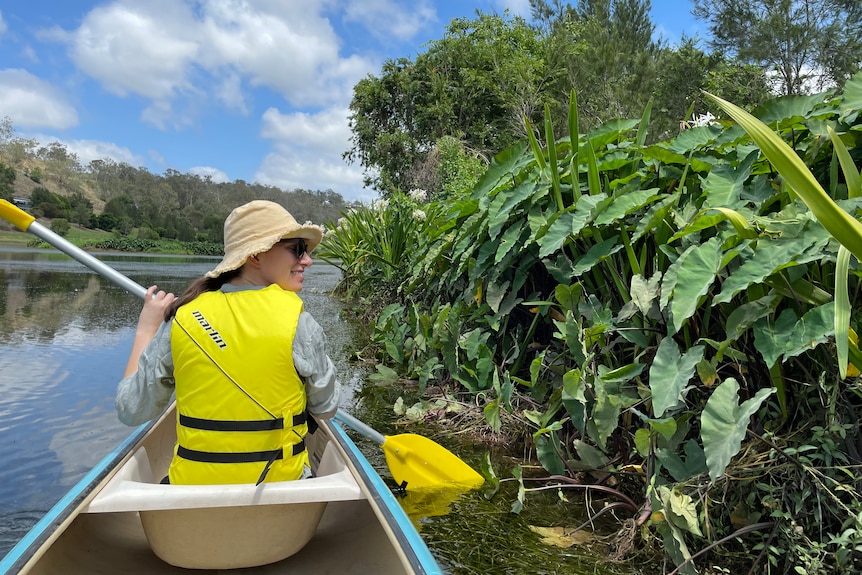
7	179
605	50
682	73
809	45
475	84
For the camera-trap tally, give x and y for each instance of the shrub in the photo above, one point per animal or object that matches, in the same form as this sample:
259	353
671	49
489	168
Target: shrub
60	226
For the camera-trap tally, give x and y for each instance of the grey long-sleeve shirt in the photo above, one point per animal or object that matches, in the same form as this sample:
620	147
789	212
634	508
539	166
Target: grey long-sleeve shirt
142	395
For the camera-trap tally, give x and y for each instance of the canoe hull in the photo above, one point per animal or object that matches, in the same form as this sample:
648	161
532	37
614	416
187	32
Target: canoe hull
124	522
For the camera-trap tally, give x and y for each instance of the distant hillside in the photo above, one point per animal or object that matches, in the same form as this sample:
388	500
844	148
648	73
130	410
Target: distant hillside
133	202
23	185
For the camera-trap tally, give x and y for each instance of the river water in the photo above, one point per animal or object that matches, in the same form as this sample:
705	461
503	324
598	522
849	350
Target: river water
65	335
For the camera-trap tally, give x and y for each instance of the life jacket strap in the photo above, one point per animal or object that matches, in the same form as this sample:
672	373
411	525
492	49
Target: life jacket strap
231	425
238	456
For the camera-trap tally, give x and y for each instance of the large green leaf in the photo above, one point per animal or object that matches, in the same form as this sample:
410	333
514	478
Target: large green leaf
546	450
724	183
787	111
500	209
846	229
494	294
851	173
670	373
786	337
574	398
606	413
569	223
842	310
681	470
723	424
591	458
626	204
551	146
654	217
853	94
694	138
680	509
666	156
742	318
771	256
569	296
611	131
499	174
593	182
572	331
596	254
509	241
696	270
645	292
556	235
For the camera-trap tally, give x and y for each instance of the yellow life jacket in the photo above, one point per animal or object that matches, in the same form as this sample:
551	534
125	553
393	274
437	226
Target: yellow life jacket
240	403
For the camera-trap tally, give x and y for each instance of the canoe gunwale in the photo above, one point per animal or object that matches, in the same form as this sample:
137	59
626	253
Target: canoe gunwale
390	513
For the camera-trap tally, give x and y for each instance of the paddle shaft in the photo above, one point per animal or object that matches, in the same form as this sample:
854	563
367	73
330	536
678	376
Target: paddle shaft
28	223
360	427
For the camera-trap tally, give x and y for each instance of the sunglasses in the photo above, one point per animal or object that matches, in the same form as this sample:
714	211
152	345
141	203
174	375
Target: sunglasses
297	245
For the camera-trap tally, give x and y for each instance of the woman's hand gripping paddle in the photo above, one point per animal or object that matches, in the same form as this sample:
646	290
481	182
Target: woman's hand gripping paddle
414	461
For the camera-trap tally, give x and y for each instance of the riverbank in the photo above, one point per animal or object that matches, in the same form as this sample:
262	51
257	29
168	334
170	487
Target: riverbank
101	240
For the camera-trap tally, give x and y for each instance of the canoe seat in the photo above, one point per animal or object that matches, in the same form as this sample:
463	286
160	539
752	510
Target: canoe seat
226	526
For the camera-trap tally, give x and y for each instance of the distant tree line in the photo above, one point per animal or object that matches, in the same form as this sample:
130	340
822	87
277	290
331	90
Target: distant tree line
173	206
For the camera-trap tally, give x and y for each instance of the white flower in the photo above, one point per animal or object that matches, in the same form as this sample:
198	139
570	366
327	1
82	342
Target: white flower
419	215
418	195
704	120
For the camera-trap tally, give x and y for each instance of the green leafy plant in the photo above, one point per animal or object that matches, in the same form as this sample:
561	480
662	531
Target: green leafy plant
661	306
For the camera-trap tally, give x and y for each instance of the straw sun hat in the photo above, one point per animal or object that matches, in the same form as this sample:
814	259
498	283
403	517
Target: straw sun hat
255	227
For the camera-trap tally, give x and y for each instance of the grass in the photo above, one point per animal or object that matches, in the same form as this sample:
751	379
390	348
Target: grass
76	235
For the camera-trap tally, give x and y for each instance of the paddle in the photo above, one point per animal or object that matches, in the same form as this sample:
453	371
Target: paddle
415	461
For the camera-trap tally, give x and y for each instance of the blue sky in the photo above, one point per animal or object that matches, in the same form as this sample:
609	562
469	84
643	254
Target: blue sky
256	90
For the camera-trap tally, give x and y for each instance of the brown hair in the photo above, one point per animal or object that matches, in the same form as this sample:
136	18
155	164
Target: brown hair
196	288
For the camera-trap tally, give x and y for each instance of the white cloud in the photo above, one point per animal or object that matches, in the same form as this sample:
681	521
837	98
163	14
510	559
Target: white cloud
230	93
3	26
214	174
325	132
130	51
33	103
388	19
165	52
287	169
307	153
29	53
189	59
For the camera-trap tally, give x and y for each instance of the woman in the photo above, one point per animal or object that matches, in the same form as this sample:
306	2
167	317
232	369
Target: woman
246	362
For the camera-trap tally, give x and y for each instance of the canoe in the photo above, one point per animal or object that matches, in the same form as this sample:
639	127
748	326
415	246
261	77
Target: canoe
120	519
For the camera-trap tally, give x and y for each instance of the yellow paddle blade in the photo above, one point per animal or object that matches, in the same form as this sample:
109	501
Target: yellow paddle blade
421	463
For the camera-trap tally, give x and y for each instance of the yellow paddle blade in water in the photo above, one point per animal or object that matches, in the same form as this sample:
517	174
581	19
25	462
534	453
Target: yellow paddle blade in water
421	463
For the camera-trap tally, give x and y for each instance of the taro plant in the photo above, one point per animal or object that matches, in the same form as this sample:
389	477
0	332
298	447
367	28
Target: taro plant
667	315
